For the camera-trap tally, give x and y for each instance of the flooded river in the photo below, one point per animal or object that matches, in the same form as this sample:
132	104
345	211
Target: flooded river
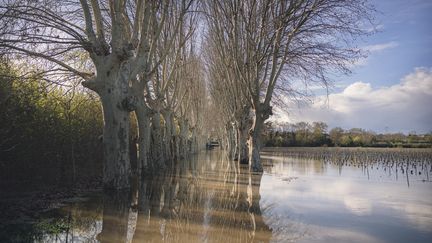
337	197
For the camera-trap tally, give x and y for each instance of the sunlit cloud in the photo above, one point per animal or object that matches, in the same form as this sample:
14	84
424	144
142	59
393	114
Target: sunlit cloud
371	50
405	106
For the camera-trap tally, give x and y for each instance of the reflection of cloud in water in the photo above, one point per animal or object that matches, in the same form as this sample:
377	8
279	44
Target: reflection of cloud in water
331	234
347	207
336	191
284	228
419	215
357	205
332	190
342	191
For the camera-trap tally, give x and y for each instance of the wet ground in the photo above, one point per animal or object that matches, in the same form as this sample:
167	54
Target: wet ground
210	199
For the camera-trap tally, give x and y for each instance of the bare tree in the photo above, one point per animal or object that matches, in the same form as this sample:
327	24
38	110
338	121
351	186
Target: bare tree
273	44
120	38
227	92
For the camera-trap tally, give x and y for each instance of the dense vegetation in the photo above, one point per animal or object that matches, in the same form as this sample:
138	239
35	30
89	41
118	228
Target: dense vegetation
48	133
316	134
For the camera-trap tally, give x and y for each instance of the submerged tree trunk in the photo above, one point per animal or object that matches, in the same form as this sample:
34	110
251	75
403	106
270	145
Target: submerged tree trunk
243	125
143	119
116	208
184	132
261	231
169	134
243	150
194	142
254	148
254	144
117	102
261	113
231	141
157	151
116	142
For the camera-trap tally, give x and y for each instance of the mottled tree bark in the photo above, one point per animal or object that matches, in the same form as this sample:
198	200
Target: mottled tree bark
243	149
169	139
117	104
184	136
157	151
143	114
261	113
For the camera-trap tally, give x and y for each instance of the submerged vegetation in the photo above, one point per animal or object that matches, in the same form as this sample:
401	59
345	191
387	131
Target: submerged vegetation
403	161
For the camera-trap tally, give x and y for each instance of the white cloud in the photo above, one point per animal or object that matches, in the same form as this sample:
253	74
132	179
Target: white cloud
404	107
358	89
379	27
372	49
380	47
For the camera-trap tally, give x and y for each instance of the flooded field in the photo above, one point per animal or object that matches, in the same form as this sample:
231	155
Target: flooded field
304	195
350	195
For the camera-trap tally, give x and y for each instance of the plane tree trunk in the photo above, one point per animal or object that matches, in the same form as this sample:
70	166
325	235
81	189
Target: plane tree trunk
157	153
116	143
243	149
143	113
261	113
169	133
254	146
117	103
184	132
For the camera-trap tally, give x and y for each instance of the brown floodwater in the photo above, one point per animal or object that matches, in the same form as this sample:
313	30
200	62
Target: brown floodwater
209	198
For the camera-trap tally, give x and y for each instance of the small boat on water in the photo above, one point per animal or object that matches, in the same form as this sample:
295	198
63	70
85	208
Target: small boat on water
211	144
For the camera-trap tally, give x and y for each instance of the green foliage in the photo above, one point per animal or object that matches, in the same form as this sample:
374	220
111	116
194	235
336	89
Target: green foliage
52	226
346	141
305	134
46	129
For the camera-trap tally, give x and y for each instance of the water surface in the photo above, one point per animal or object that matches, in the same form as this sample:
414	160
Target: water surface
323	201
208	198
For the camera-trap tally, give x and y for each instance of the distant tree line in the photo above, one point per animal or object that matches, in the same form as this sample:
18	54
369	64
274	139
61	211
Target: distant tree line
48	133
317	134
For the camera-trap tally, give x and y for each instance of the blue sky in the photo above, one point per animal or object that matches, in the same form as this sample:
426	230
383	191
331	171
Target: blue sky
390	90
406	27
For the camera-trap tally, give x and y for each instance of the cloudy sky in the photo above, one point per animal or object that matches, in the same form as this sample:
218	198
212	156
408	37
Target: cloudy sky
390	90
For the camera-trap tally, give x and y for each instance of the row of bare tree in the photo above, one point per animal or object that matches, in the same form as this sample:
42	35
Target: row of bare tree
138	56
261	53
141	57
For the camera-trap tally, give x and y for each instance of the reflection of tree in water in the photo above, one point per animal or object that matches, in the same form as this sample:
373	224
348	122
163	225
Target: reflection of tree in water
203	199
236	213
208	198
115	216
